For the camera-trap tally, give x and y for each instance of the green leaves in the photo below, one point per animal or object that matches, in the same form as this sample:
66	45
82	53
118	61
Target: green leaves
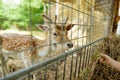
18	12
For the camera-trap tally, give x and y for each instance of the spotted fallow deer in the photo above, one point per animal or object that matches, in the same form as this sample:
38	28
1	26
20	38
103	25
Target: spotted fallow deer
18	46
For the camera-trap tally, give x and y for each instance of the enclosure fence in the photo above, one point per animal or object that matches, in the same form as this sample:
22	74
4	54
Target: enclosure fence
90	25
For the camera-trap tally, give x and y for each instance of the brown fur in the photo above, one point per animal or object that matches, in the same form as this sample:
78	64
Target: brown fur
18	42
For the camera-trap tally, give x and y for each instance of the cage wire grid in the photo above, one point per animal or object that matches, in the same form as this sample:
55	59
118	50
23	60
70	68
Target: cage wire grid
65	66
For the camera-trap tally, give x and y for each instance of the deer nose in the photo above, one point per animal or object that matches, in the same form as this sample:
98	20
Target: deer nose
70	45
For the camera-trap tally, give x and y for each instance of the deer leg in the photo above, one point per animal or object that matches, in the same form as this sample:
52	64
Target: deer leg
28	63
33	59
2	67
24	59
4	61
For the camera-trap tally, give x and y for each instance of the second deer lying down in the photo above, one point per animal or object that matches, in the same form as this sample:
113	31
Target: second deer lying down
24	46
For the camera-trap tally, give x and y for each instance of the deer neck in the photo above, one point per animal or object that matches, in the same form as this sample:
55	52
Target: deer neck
48	46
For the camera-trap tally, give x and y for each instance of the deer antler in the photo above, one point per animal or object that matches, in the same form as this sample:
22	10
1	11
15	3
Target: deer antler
47	18
55	18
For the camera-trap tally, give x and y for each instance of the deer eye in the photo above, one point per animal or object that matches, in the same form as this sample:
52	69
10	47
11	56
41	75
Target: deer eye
55	34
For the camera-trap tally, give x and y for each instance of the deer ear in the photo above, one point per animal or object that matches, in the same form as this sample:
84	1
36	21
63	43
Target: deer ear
69	26
42	27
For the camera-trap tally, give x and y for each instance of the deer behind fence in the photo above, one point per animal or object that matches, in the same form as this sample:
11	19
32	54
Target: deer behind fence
29	48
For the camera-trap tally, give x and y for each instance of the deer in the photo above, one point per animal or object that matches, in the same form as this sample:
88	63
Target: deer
29	48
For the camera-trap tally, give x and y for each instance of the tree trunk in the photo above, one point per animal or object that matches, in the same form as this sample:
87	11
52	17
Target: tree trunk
116	17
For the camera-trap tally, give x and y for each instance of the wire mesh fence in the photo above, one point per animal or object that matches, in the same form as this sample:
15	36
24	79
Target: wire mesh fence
73	27
60	67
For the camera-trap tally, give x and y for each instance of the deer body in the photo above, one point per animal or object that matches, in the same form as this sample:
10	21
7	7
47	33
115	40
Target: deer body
18	46
16	43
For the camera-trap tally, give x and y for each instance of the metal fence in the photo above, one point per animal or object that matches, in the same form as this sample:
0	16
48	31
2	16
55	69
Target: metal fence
77	63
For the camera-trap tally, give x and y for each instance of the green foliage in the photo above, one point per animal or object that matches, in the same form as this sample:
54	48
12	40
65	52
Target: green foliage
20	13
5	24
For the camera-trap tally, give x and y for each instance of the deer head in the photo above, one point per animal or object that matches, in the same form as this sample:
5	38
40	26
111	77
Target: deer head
57	32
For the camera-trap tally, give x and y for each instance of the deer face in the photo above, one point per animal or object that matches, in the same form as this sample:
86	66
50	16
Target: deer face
60	35
57	32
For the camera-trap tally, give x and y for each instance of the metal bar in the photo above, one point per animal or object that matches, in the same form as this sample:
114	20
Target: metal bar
30	29
64	68
45	73
30	19
87	39
91	19
84	58
88	55
56	72
79	67
62	20
62	33
77	39
82	65
49	14
76	67
74	23
71	69
29	76
86	50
